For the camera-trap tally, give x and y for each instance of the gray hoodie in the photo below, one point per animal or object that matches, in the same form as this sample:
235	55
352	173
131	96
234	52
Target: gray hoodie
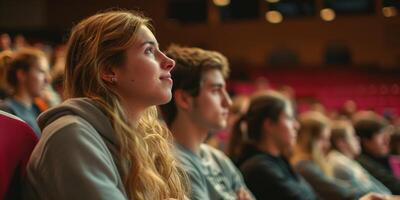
77	156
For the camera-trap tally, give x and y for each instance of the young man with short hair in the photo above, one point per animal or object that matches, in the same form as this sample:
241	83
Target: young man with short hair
199	106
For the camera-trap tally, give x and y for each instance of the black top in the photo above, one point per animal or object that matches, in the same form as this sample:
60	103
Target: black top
271	177
380	169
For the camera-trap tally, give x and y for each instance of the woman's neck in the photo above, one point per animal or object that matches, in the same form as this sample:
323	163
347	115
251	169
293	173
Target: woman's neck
269	147
132	112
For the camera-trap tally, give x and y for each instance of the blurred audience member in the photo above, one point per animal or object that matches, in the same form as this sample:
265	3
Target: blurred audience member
375	136
310	158
271	131
5	42
57	71
344	168
20	42
348	109
28	76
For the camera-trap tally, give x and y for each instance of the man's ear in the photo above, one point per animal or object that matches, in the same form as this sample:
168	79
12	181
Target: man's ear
182	99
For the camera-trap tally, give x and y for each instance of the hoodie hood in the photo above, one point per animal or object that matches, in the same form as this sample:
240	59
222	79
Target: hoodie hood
84	108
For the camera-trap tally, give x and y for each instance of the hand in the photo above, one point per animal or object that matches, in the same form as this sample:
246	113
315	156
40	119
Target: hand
242	194
392	197
373	196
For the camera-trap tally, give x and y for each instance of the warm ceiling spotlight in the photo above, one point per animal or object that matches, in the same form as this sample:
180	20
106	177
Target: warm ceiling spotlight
222	2
389	11
274	17
272	1
327	14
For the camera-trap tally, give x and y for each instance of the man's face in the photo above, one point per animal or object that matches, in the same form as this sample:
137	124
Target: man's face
210	109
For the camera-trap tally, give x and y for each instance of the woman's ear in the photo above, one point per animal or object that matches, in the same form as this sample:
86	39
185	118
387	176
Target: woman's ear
267	125
108	75
182	99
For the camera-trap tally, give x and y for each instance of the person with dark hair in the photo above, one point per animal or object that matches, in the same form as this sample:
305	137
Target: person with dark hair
199	106
375	138
345	148
17	141
105	141
27	74
262	156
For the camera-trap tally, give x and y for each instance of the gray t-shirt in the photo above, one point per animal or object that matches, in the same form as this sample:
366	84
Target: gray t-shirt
213	176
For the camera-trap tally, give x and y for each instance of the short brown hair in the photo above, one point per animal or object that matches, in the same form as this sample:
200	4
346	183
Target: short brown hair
24	60
190	64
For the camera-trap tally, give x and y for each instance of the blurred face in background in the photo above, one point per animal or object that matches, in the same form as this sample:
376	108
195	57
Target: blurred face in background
284	131
323	143
37	79
378	144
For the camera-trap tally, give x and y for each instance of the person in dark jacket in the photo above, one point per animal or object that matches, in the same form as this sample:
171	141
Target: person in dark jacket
271	132
374	136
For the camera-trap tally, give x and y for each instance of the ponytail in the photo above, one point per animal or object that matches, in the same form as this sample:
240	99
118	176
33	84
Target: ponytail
238	139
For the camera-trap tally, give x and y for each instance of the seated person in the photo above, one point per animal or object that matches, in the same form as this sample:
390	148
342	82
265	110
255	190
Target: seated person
310	159
28	76
199	106
17	141
374	136
271	132
341	158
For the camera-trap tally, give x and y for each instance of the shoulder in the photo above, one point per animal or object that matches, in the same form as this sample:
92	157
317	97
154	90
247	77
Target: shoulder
368	162
69	134
259	161
70	130
262	165
211	151
6	106
308	167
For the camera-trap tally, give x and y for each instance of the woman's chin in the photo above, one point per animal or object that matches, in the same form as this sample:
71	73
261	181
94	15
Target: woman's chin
165	98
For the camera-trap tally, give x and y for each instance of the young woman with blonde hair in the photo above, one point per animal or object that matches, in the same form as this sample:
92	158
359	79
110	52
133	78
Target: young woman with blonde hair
105	141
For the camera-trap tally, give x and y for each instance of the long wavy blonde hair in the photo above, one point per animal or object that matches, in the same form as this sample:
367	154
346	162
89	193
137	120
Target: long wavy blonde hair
96	44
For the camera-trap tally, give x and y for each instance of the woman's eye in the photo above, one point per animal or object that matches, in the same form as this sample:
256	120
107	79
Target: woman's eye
149	50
